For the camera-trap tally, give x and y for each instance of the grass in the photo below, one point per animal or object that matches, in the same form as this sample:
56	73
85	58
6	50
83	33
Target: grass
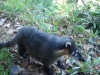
5	61
30	13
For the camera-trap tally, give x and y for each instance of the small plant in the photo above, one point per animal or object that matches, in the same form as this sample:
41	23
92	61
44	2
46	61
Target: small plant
78	30
89	66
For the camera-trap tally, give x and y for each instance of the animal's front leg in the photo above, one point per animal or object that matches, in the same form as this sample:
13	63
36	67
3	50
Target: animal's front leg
25	55
48	70
60	64
47	66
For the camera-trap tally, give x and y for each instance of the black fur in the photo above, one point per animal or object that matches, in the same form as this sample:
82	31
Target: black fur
41	45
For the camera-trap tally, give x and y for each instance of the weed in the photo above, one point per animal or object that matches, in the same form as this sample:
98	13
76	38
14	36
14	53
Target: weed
89	66
78	30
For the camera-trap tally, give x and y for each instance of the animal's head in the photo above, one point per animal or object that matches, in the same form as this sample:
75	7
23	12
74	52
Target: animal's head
73	50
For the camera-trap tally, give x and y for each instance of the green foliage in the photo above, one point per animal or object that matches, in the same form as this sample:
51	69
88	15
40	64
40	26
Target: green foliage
91	34
88	66
20	5
5	61
13	5
45	3
73	70
79	30
28	10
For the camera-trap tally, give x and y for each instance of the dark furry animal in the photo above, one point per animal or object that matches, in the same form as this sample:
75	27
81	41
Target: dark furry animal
49	48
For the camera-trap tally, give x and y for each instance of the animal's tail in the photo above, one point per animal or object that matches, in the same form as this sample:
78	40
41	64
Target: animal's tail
8	43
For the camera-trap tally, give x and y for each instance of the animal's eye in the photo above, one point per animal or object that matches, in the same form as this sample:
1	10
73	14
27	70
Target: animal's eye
76	51
75	54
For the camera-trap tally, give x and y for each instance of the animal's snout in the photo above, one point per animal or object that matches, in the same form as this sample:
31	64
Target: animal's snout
78	56
82	59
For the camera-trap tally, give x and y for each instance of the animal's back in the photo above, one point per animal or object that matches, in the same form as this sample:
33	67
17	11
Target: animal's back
36	42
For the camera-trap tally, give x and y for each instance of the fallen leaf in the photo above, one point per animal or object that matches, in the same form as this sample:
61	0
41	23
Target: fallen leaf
17	24
87	47
55	68
98	54
68	61
97	67
7	25
19	27
14	51
87	31
32	60
80	36
10	31
2	21
92	41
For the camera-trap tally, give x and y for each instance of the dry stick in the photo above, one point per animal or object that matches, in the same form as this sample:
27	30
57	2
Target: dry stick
88	11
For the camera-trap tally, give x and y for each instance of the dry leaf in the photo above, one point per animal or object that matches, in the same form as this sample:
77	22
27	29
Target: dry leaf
7	25
87	47
2	21
87	31
10	31
97	67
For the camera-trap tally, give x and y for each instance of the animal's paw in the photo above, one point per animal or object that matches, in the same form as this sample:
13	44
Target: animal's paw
49	71
1	45
62	66
25	56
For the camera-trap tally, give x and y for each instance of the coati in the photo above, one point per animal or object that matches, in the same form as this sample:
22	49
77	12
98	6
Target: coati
47	47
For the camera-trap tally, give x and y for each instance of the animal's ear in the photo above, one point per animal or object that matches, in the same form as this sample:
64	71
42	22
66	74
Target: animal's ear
71	37
68	44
